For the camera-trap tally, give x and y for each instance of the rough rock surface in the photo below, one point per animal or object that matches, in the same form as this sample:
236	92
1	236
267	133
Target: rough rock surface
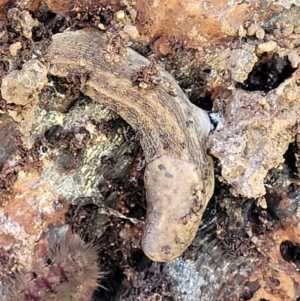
21	87
26	214
172	24
257	130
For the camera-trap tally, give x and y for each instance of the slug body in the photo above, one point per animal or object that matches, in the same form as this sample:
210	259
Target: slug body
179	177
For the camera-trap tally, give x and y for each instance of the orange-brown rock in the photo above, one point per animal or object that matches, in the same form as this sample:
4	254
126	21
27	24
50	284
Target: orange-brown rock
27	214
195	22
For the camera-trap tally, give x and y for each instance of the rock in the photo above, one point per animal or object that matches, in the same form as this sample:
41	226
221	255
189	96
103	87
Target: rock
266	47
260	33
240	63
131	31
22	20
14	48
257	131
251	30
21	87
26	214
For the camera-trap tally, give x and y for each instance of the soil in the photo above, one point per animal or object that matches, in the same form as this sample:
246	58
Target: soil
233	225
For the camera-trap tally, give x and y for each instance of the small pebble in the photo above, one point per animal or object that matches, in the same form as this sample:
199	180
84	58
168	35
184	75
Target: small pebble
101	26
131	31
242	32
251	30
266	47
14	48
143	85
294	58
260	33
287	30
254	239
120	14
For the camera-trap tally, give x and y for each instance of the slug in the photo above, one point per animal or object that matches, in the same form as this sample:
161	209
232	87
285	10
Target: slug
179	179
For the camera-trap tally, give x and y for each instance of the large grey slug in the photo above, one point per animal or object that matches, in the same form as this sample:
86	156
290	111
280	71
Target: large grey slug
179	178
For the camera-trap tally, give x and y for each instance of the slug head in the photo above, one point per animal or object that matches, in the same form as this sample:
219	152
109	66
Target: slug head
177	195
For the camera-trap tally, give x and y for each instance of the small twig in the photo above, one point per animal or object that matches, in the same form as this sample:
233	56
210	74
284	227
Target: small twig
112	212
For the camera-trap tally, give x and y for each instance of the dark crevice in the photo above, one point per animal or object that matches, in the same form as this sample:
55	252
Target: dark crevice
205	103
139	260
268	74
290	158
290	252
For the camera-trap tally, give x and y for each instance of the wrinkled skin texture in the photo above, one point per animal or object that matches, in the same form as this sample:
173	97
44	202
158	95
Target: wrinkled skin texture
179	175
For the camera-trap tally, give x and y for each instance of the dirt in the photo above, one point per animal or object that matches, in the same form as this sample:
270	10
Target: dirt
253	235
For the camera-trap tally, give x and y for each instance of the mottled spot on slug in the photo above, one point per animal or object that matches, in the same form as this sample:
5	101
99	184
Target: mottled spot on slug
161	167
188	123
177	240
166	249
168	175
207	173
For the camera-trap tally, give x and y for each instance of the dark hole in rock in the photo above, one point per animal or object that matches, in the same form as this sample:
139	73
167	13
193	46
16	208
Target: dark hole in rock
291	253
290	158
90	207
263	220
268	74
50	23
205	103
278	179
140	261
43	13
